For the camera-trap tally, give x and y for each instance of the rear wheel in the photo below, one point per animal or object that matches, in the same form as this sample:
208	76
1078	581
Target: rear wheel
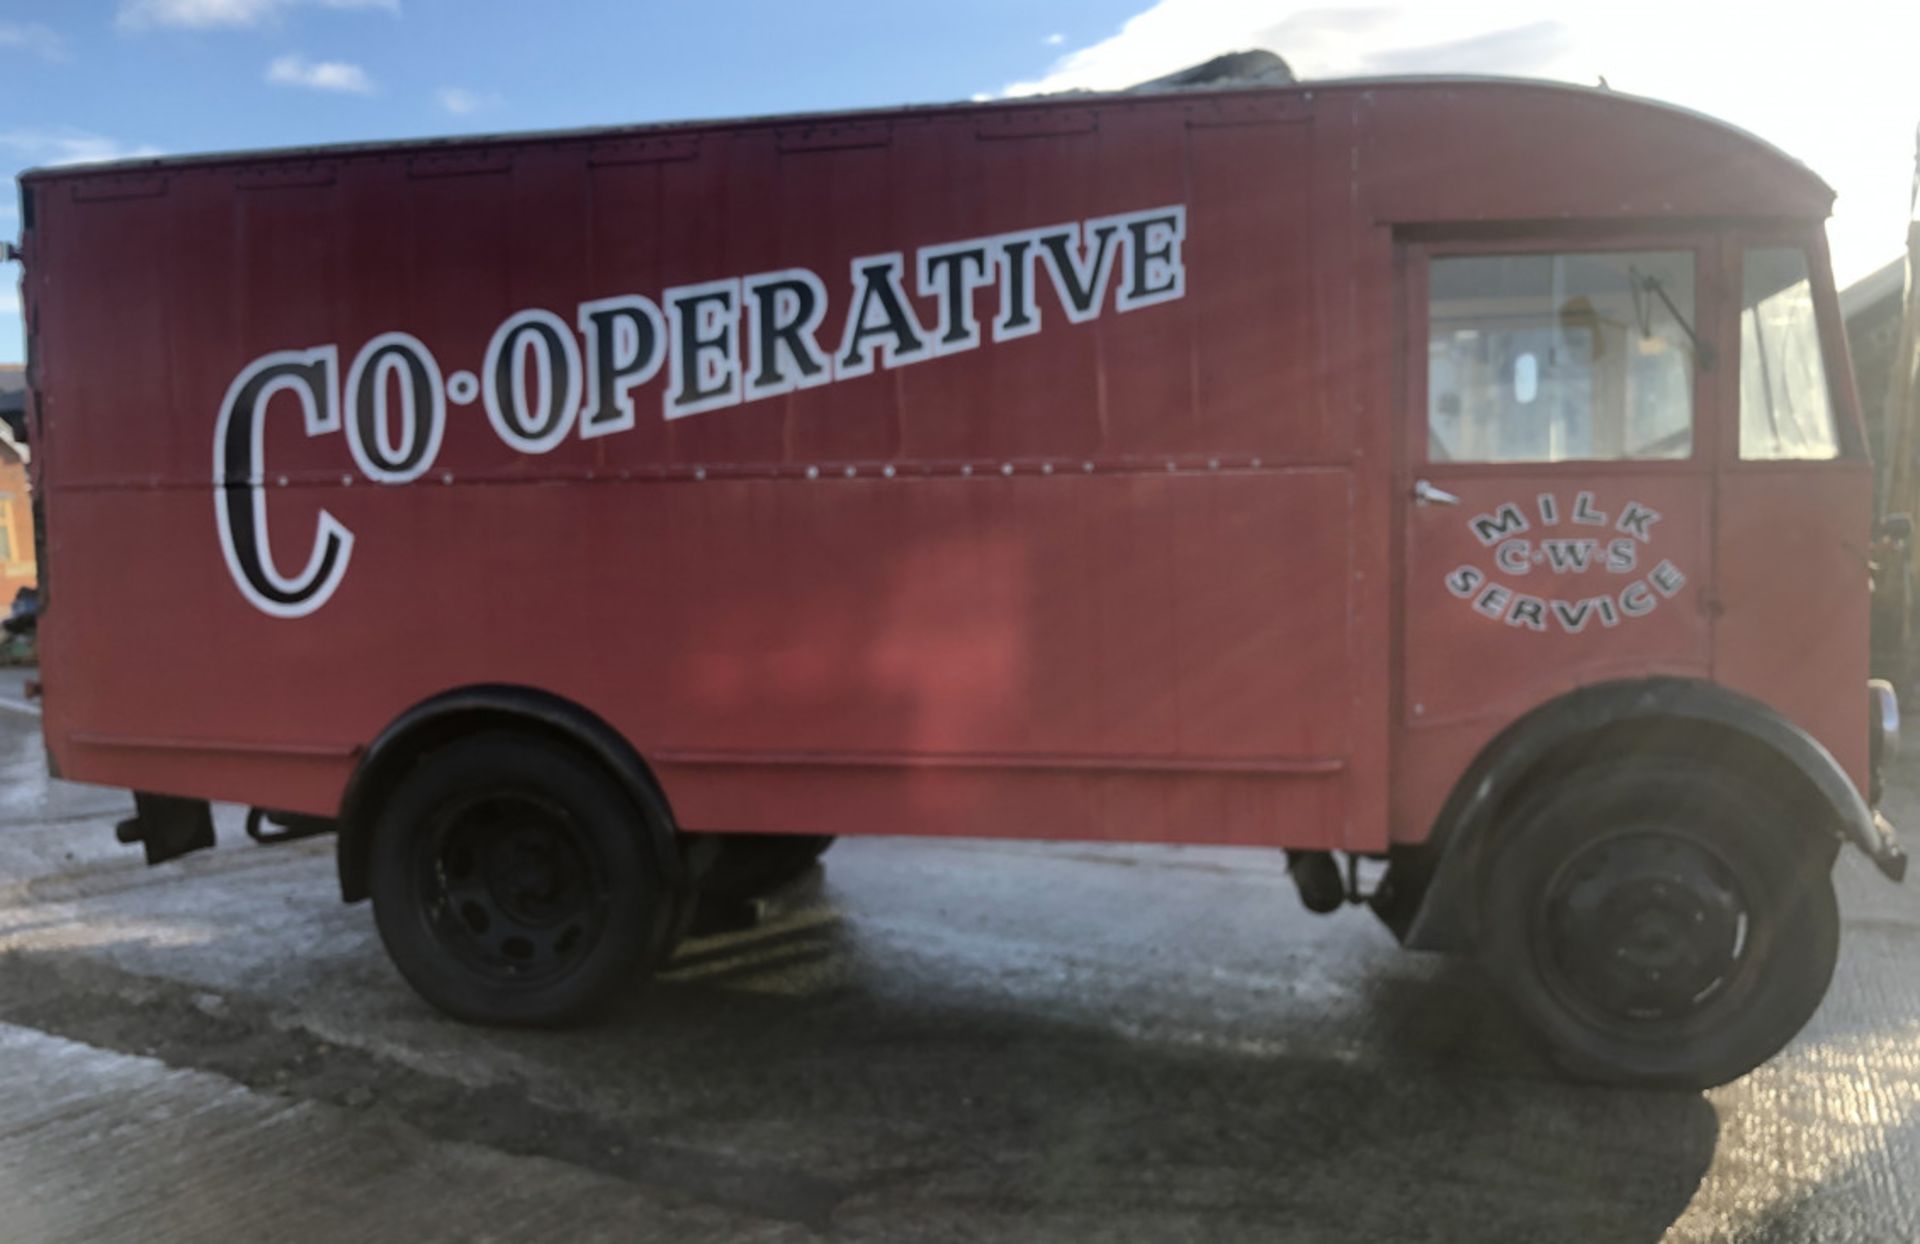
1660	924
512	882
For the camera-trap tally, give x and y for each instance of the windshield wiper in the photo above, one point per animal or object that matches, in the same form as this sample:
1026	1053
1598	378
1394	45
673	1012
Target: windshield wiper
1641	284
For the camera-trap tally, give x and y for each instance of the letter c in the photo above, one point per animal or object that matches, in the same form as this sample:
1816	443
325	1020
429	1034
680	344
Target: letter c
239	492
1514	556
1636	600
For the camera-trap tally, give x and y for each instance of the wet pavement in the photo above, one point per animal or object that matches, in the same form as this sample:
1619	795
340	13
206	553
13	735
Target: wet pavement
928	1041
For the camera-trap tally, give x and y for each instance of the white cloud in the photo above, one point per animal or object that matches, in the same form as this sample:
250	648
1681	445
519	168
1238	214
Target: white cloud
65	145
1321	40
1834	84
42	41
1054	40
225	14
195	14
460	101
319	75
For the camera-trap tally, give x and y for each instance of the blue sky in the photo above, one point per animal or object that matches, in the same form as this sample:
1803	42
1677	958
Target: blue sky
100	78
1833	84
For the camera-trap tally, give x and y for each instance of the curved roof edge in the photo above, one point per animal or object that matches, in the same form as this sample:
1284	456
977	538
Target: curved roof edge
1122	98
1574	88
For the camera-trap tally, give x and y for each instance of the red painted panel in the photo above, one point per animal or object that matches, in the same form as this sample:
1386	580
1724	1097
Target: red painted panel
1792	624
1546	155
1543	579
1095	620
1124	578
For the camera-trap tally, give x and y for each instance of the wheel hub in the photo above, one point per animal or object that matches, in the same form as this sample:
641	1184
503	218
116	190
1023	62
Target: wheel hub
509	888
1645	926
527	874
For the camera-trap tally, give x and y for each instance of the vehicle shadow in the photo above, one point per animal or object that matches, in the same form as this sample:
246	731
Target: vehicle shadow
825	1070
953	1113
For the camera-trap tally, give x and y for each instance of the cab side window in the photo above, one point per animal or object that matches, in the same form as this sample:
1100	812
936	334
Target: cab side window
1786	410
1580	356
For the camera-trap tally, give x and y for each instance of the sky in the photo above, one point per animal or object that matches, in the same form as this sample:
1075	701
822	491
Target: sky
1836	84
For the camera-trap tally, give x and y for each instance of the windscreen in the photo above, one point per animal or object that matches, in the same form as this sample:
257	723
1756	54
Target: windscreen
1786	411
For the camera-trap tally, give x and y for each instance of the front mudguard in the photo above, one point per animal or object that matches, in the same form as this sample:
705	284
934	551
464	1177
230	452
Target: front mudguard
1429	897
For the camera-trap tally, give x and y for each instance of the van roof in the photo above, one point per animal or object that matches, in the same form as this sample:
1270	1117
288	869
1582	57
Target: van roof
1069	99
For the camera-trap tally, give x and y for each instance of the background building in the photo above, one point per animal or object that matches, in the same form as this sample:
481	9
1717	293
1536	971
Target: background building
17	568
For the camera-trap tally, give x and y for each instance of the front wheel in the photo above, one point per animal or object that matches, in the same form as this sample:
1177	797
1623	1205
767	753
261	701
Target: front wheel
1660	924
512	882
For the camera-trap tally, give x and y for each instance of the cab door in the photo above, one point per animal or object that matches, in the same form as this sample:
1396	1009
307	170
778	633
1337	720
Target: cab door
1795	497
1555	483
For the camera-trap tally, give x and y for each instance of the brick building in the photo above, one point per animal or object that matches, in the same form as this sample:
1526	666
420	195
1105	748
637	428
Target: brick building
17	568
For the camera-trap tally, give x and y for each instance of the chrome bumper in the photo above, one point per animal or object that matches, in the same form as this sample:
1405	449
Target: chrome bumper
1883	716
1888	856
1883	744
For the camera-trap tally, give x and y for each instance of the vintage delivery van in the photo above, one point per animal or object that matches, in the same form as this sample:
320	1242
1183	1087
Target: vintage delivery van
1460	474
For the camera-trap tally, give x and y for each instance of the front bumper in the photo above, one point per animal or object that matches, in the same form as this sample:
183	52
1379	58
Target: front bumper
1887	854
1883	724
1883	719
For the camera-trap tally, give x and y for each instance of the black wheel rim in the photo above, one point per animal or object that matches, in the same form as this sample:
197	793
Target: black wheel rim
511	887
1646	932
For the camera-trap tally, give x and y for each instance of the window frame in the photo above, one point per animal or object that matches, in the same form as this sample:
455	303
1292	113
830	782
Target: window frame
1835	357
1708	263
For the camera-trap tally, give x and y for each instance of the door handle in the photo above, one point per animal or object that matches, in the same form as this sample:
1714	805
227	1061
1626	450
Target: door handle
1427	494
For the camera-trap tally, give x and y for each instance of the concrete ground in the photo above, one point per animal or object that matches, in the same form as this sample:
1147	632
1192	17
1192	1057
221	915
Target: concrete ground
932	1041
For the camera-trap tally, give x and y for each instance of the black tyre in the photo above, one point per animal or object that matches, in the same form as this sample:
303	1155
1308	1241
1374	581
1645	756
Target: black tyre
513	883
1660	924
747	866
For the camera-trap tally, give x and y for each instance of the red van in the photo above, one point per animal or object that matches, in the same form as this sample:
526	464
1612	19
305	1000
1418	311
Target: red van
1464	475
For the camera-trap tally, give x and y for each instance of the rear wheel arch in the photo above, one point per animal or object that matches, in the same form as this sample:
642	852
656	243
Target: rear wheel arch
1432	896
468	711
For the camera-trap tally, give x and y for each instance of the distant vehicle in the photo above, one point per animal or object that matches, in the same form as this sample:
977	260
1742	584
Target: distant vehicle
1464	475
23	616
